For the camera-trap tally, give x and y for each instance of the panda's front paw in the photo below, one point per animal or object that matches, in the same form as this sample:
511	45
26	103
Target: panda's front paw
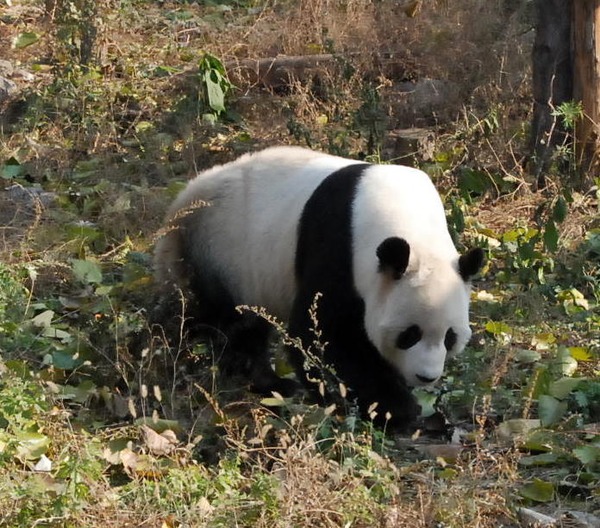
402	418
397	412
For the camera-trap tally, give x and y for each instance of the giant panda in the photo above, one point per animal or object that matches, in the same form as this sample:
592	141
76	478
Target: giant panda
275	228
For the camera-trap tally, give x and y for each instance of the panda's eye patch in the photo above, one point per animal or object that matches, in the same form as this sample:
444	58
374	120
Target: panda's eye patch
409	337
450	339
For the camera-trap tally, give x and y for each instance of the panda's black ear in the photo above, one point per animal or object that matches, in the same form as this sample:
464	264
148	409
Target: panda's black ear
393	254
470	263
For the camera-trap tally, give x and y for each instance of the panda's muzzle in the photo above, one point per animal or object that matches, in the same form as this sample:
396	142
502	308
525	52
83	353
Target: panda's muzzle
425	379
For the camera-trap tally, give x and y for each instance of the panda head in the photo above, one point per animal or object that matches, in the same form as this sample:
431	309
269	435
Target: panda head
422	312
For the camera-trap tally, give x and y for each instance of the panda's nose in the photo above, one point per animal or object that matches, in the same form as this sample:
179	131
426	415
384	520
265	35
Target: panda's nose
425	379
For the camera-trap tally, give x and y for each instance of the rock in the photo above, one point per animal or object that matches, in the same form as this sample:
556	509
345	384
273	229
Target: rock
6	68
30	195
7	89
407	146
577	519
24	75
532	519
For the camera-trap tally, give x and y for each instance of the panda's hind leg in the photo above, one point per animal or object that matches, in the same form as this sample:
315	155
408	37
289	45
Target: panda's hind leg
246	346
249	354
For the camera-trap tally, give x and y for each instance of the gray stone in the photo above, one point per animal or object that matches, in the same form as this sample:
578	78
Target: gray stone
7	89
6	68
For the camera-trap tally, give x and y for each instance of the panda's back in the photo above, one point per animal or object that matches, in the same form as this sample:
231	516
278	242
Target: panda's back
246	237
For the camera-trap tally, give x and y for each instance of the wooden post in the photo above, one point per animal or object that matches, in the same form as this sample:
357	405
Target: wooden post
586	86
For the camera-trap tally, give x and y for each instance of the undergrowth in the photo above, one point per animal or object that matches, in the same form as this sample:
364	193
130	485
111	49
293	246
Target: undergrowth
101	426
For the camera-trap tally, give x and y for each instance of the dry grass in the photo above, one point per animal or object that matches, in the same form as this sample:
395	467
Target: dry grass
275	469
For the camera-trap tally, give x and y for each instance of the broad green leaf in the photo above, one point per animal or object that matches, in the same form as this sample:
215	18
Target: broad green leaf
80	393
587	455
563	387
511	236
31	445
527	356
44	319
538	491
143	126
82	230
539	382
543	341
273	402
65	360
470	180
559	213
497	328
27	38
447	473
12	169
573	297
568	364
87	271
209	119
426	399
543	459
57	333
214	91
550	236
510	429
550	409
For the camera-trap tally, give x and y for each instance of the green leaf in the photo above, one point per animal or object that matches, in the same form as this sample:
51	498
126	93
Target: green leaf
550	409
538	491
214	91
559	213
497	328
12	169
567	363
31	445
65	360
527	356
57	333
563	387
143	126
587	455
470	180
517	427
27	38
87	271
426	399
80	393
44	319
273	402
447	473
543	459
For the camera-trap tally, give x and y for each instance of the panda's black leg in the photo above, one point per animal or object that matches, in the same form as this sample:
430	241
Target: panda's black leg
249	346
377	381
356	361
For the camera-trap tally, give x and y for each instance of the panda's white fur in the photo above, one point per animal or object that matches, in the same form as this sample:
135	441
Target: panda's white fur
246	237
401	201
249	230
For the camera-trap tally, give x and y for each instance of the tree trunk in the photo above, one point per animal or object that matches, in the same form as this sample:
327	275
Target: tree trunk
586	86
552	79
